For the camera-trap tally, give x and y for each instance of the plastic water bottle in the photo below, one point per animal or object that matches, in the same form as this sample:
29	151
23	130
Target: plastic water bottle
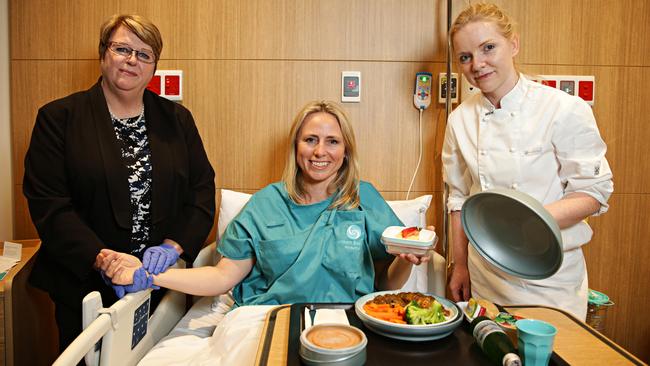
494	342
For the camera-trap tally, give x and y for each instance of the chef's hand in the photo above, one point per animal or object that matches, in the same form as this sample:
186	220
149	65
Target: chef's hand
459	283
157	259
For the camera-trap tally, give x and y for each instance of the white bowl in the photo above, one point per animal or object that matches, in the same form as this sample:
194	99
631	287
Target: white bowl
396	245
410	332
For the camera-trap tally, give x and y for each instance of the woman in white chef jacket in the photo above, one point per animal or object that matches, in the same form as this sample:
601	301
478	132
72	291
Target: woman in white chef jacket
521	135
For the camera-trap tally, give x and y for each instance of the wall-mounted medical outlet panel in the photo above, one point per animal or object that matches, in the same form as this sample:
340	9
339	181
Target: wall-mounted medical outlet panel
583	86
168	84
442	87
351	86
467	89
422	90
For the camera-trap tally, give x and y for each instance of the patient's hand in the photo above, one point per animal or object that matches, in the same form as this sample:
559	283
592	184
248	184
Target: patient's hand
414	259
118	266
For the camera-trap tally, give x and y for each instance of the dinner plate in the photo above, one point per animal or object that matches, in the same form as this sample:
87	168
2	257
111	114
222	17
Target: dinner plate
416	333
514	232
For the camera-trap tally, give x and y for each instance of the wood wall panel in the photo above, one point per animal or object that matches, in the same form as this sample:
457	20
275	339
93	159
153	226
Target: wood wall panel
402	30
44	29
617	261
580	32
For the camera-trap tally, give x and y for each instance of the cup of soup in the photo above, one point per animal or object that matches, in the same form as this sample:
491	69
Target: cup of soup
333	344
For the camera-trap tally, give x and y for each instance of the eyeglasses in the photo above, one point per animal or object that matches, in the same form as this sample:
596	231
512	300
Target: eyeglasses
125	50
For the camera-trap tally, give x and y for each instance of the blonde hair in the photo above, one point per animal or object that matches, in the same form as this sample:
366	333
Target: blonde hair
140	26
484	12
346	184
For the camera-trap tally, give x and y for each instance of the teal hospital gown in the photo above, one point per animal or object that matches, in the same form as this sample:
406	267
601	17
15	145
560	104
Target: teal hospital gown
307	253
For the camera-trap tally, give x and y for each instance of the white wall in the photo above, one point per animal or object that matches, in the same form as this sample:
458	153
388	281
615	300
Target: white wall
6	173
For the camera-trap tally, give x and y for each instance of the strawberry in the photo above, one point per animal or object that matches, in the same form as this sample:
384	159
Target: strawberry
410	231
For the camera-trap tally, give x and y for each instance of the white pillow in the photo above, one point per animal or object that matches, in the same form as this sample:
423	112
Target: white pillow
412	212
231	203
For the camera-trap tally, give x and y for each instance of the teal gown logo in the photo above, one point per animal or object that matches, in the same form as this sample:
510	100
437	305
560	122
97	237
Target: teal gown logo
353	232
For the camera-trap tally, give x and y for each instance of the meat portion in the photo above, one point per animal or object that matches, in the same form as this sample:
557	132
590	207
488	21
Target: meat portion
403	299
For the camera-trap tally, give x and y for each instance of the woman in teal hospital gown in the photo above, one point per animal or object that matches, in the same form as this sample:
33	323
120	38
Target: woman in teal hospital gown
313	237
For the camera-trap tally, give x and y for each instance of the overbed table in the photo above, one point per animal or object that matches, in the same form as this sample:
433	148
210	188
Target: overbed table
575	344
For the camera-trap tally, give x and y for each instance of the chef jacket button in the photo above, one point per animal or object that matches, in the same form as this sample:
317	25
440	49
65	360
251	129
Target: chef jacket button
514	185
512	149
512	114
483	152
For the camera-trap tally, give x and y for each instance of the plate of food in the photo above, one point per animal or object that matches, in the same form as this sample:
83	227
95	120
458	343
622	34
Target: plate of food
410	316
401	239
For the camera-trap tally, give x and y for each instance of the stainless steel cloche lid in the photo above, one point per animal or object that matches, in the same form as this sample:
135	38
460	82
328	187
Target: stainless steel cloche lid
514	232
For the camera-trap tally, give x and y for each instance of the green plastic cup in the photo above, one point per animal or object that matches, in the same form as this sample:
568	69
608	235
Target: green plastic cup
535	339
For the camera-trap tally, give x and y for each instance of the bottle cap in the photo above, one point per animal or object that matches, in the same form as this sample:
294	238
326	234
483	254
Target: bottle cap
511	359
599	298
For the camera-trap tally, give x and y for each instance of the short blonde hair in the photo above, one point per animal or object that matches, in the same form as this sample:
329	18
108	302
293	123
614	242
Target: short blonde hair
140	26
346	184
484	12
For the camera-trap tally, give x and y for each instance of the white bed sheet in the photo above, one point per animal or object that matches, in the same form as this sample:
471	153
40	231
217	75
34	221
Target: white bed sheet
234	340
202	318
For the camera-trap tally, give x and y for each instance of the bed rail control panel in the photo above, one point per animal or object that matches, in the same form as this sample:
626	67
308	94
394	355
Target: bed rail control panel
422	91
140	320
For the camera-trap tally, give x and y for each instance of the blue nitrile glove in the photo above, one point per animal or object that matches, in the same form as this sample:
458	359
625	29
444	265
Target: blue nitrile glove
141	281
119	289
157	259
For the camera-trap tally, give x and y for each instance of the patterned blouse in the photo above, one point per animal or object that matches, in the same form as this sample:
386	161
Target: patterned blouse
132	137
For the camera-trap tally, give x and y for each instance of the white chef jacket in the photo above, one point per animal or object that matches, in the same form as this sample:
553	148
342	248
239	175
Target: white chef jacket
544	142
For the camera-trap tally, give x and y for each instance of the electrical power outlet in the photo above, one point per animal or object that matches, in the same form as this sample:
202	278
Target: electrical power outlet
583	86
168	84
442	88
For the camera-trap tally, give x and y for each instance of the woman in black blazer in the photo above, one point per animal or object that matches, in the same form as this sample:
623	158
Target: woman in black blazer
118	167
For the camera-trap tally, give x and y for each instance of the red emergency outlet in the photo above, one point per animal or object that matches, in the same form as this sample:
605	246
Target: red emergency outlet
172	85
550	83
154	84
586	90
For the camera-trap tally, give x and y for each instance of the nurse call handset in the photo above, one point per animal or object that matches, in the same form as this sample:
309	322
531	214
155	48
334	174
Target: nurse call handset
422	92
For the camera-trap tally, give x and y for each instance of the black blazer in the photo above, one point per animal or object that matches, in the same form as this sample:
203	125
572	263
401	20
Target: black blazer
78	194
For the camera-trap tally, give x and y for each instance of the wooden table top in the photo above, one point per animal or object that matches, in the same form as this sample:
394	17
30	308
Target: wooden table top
575	342
30	247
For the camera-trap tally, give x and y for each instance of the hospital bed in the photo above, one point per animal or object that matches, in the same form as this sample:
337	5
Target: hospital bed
123	333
